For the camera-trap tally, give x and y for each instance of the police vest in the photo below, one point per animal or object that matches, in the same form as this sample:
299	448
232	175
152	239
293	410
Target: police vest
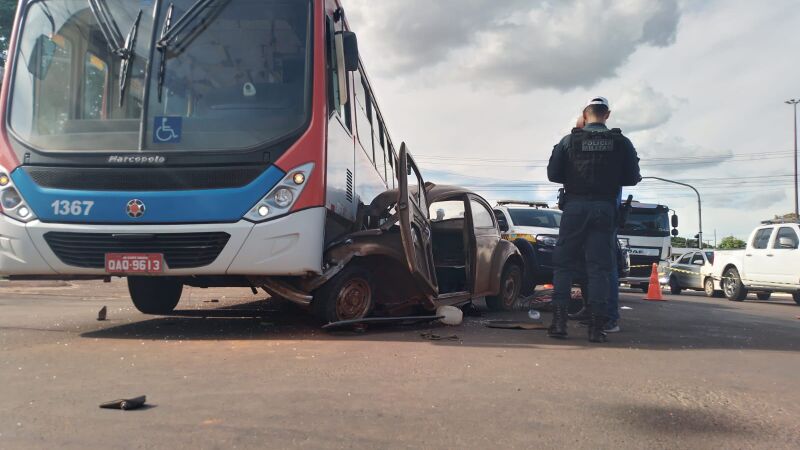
595	162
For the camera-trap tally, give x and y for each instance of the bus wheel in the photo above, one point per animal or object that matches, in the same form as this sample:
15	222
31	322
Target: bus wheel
155	295
347	296
510	285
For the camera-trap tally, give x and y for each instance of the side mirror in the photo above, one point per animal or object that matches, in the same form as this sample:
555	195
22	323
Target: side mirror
502	224
350	44
41	57
699	262
675	232
787	243
674	221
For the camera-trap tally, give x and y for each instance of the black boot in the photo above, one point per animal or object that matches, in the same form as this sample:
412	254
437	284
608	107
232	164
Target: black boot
558	329
596	333
583	314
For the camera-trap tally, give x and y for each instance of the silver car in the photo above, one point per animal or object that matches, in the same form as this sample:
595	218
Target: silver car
693	271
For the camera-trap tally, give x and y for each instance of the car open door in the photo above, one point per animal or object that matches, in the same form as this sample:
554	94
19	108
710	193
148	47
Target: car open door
415	227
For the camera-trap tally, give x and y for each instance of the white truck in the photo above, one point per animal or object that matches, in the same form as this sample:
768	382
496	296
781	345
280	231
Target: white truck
770	263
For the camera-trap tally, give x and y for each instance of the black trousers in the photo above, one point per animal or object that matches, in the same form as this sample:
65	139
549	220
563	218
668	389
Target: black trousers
585	240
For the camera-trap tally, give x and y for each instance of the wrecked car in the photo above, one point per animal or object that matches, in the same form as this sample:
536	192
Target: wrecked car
422	246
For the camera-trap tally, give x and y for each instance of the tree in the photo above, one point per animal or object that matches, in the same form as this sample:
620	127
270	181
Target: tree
732	243
679	242
8	9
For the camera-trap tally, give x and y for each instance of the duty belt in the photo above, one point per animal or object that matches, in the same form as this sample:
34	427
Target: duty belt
592	197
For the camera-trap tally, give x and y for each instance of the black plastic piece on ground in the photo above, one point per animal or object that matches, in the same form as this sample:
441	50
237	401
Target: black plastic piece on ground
125	404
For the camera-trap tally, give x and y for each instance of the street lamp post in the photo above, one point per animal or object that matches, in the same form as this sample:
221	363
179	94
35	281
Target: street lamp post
794	103
699	205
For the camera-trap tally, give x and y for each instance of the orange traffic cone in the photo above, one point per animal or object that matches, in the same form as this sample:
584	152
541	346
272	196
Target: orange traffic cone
654	290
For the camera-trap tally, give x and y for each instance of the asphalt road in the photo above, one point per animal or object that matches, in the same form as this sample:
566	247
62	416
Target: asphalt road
243	373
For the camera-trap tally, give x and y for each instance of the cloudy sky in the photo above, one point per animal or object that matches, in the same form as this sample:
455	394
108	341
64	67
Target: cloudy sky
481	90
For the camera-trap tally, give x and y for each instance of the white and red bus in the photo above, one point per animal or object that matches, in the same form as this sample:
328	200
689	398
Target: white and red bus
186	142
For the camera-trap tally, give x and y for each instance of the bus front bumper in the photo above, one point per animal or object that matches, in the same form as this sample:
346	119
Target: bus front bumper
287	246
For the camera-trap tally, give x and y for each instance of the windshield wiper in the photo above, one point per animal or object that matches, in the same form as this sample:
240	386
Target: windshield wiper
170	33
127	57
113	36
162	64
108	26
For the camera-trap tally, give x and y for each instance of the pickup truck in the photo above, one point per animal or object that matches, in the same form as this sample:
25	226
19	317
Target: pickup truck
770	263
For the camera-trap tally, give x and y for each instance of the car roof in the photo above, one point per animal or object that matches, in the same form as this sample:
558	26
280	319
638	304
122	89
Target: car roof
437	192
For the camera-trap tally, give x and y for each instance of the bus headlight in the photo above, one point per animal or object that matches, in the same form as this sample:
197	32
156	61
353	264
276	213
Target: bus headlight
11	202
10	198
282	197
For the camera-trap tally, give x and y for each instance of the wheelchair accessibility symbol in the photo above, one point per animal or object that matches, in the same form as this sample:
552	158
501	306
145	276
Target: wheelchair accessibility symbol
167	130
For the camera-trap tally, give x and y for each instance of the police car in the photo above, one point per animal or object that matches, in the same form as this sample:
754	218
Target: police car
533	228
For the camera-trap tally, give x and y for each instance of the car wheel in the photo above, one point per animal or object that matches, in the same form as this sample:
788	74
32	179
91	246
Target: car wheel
347	296
674	287
645	287
764	296
708	288
525	248
796	297
732	286
155	295
510	285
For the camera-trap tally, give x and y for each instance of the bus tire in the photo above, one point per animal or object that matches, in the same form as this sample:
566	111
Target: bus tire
155	295
732	284
510	285
350	295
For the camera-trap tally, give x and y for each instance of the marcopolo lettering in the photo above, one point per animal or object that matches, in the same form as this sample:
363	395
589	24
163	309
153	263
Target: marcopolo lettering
136	159
598	145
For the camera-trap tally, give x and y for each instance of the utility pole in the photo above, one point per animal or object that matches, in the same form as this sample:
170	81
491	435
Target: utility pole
794	103
699	203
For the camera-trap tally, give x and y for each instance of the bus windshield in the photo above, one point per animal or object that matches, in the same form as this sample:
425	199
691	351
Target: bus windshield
641	222
237	77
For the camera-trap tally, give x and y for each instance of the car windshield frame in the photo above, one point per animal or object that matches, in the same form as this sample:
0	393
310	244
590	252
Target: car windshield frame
259	119
521	217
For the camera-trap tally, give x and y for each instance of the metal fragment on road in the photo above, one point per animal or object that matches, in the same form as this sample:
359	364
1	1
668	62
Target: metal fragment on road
101	315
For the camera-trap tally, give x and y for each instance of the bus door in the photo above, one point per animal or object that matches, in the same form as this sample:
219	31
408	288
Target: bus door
415	227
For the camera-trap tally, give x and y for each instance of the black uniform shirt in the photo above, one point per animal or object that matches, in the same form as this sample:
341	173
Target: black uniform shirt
557	169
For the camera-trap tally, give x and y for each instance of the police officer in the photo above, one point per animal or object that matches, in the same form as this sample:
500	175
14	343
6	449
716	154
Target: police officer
593	163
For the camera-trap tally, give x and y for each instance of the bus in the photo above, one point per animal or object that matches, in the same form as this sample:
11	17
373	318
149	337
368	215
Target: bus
647	234
205	143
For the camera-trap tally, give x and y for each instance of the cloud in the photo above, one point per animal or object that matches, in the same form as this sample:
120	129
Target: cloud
513	45
641	108
663	153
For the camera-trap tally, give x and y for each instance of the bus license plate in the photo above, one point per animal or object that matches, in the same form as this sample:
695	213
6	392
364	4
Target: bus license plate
132	263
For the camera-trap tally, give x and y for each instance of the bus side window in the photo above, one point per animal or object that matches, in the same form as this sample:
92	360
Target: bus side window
363	122
334	99
390	166
95	88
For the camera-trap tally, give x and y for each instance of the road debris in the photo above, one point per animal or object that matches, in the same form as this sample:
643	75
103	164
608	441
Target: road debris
381	320
430	336
450	315
127	404
101	315
515	325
